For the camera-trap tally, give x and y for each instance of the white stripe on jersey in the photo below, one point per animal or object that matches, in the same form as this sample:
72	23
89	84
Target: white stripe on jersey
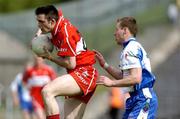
90	82
147	92
79	46
58	25
144	113
38	80
68	40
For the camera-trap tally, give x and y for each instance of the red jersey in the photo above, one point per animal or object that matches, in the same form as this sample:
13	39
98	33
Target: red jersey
36	78
69	42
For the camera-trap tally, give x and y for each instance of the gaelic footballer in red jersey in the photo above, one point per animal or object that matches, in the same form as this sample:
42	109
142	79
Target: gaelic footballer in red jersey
79	84
35	78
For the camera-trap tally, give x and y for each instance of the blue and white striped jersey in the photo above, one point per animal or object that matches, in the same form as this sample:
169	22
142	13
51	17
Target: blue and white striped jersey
17	86
134	56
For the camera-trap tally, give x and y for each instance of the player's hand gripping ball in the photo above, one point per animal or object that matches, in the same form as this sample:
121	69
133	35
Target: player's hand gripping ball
40	43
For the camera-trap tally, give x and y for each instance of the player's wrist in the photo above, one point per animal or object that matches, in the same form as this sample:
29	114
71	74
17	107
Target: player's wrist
50	58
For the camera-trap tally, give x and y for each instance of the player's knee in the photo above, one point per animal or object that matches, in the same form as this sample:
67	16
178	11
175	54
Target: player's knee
46	92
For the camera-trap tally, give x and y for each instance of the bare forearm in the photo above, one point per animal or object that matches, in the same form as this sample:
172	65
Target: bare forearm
117	74
63	62
125	82
15	98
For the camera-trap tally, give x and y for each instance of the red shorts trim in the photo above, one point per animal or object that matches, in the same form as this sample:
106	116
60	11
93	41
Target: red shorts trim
85	77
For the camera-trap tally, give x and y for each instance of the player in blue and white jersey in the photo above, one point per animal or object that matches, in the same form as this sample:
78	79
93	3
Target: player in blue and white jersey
21	97
135	72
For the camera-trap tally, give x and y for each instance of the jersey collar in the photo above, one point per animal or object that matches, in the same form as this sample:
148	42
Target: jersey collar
125	43
58	25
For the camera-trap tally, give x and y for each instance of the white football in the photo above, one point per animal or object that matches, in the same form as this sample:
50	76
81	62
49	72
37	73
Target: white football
39	42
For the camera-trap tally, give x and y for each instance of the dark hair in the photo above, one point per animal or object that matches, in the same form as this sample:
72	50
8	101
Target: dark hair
130	23
50	12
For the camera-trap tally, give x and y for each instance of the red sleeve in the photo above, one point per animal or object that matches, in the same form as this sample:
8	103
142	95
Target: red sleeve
26	75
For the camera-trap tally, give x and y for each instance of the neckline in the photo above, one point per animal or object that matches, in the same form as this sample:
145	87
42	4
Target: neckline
125	43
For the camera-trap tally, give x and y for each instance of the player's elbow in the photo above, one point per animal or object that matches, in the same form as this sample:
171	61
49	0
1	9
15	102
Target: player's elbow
71	65
137	80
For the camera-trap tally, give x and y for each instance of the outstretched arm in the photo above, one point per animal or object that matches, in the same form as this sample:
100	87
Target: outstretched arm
14	93
116	73
133	78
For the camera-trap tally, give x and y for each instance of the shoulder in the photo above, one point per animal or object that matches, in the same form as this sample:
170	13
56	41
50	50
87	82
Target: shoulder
134	43
66	29
134	46
19	75
30	69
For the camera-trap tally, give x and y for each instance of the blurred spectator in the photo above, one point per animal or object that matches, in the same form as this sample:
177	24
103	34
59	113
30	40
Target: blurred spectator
35	78
117	100
172	13
21	97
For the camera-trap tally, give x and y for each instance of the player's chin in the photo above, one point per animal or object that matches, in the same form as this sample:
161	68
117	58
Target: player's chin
45	31
42	56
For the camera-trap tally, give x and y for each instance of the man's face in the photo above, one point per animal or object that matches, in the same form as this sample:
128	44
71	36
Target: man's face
119	34
43	23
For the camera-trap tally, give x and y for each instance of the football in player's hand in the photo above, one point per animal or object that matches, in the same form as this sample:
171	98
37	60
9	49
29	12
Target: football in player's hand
40	42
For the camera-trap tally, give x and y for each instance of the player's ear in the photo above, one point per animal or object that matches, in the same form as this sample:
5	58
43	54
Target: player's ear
53	21
125	30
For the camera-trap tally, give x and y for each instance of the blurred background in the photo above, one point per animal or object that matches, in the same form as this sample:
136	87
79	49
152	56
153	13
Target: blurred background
159	33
